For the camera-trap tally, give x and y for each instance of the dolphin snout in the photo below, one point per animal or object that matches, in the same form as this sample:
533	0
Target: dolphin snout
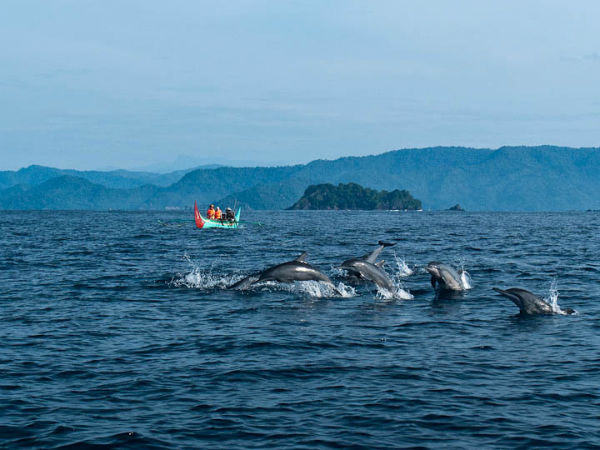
433	270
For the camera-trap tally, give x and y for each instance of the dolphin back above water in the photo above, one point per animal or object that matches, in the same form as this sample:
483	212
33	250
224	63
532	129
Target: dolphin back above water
287	272
296	270
529	303
365	268
445	276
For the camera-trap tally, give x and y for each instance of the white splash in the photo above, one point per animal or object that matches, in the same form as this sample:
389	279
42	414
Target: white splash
323	290
337	271
346	291
552	298
204	279
403	269
465	280
398	294
315	289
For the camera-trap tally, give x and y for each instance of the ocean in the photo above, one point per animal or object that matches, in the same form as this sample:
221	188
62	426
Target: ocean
118	332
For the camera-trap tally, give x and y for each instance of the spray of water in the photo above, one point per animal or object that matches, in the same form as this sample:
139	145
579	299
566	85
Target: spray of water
203	279
403	269
465	278
337	271
398	294
315	289
552	298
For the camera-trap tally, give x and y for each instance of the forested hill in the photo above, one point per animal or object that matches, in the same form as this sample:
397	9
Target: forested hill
508	179
352	196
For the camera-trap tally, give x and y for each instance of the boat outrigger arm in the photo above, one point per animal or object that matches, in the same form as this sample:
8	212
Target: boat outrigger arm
201	222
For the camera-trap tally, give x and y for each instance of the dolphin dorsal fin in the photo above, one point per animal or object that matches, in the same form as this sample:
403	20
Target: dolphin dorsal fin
380	263
302	257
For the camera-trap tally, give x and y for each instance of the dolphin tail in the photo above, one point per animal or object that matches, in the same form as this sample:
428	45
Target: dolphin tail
387	244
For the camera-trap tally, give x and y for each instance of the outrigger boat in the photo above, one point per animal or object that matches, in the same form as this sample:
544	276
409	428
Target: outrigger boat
201	222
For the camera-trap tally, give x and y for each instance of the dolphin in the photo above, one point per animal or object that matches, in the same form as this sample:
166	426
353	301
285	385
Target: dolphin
529	303
445	276
287	272
365	268
245	283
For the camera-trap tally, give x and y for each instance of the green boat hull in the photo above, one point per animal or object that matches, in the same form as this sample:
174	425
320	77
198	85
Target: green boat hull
203	223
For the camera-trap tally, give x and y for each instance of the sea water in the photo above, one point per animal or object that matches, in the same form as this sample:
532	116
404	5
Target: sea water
117	332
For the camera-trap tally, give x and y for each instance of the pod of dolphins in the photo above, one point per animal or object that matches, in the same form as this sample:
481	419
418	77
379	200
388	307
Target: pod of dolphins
367	268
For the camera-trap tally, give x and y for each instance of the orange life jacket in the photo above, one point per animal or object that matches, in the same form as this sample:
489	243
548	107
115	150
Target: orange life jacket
218	214
210	213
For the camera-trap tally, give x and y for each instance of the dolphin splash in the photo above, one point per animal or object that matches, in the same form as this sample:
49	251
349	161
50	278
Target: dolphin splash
287	272
365	268
446	277
529	303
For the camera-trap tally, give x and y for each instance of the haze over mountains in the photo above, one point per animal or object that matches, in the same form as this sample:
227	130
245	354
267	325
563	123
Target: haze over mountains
508	179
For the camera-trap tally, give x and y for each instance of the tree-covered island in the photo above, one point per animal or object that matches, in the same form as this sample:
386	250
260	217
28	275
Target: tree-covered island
354	196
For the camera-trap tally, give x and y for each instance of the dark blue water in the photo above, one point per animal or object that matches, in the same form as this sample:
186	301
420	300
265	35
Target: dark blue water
117	333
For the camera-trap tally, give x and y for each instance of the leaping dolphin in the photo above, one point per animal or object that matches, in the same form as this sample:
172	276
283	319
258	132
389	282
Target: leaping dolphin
529	303
445	276
365	268
287	272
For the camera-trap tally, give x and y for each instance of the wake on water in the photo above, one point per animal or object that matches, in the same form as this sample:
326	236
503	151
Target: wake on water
207	280
203	279
398	294
314	289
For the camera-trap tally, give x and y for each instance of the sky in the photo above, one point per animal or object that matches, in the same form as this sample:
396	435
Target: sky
134	84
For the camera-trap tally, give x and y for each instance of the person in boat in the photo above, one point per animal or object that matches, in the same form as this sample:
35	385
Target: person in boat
218	213
229	215
211	212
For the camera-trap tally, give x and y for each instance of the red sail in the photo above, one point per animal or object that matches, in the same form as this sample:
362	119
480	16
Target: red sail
198	217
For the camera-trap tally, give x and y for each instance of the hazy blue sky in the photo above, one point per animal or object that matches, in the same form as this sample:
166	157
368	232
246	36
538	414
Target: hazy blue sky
90	84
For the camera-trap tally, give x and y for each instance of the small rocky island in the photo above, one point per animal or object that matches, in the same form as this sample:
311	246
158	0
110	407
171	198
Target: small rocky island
353	196
455	208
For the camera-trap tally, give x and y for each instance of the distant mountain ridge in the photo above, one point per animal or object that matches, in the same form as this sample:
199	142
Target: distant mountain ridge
543	178
125	179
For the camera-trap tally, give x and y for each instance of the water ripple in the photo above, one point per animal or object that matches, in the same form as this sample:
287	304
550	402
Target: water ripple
118	333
